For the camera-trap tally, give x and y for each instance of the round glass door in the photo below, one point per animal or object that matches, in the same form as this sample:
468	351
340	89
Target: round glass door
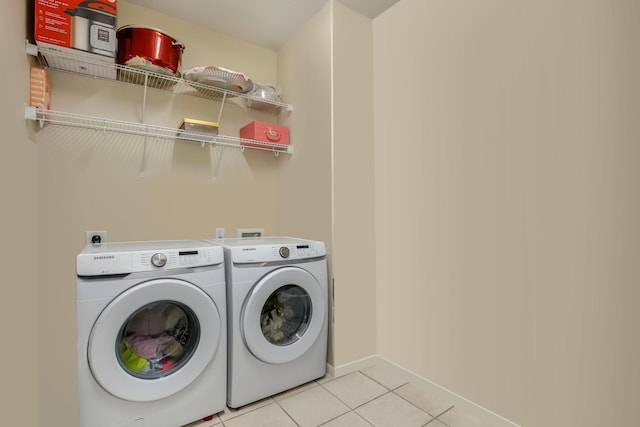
158	339
154	339
283	315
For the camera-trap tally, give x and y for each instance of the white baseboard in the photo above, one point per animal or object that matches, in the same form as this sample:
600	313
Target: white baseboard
437	391
356	365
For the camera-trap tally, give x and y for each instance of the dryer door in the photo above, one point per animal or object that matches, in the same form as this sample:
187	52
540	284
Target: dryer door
283	315
154	339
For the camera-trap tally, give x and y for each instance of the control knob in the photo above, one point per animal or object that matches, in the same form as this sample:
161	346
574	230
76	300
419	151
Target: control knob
284	252
159	259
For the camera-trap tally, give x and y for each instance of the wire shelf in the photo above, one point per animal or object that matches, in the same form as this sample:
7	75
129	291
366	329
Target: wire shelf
119	126
92	65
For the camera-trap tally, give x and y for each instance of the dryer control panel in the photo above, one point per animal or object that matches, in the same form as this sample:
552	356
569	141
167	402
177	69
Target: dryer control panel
107	261
268	253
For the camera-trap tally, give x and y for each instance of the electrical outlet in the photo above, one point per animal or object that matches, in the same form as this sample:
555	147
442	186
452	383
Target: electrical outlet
220	233
95	237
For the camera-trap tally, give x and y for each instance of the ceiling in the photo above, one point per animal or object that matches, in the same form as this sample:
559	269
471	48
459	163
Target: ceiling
268	23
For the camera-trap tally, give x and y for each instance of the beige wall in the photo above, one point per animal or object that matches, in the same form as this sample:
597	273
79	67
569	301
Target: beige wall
353	186
507	203
304	207
18	175
327	70
304	180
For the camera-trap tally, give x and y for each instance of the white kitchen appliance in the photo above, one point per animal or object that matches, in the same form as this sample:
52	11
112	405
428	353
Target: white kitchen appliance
277	307
151	333
93	27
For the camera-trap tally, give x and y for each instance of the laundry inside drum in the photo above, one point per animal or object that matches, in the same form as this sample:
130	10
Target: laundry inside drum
286	315
157	340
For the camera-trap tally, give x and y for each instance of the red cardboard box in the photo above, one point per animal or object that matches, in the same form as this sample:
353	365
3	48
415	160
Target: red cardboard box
268	132
78	36
84	25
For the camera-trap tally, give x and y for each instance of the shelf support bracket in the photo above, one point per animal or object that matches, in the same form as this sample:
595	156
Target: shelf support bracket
144	97
224	97
143	163
31	49
29	112
144	106
216	169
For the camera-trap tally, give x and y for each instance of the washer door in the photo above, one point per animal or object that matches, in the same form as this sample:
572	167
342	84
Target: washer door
154	339
283	315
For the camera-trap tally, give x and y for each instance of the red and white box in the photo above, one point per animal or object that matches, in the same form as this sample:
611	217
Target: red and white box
269	133
79	35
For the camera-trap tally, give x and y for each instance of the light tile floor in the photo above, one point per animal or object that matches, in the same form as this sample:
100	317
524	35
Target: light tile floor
369	397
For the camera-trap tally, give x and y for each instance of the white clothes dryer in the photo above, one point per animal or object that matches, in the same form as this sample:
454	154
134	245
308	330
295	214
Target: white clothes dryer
151	333
277	308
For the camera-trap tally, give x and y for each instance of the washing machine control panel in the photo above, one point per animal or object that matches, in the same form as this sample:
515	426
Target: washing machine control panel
108	263
174	259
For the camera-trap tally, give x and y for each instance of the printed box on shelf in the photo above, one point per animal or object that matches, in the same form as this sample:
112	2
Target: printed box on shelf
198	128
39	88
77	35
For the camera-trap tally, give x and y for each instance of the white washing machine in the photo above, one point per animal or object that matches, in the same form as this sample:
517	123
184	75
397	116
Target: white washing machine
277	308
151	333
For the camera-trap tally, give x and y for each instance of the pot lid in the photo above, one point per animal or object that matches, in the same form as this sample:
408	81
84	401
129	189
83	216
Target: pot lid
124	28
95	11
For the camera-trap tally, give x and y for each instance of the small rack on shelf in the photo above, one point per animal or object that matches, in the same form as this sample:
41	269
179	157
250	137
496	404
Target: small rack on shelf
59	60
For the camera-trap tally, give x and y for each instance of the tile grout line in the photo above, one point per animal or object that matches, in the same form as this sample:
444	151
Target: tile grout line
285	411
341	415
231	416
393	390
273	400
444	412
347	405
378	382
389	390
360	405
417	407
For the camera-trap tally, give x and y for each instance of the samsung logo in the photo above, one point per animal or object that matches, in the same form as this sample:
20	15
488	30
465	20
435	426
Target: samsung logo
104	257
248	249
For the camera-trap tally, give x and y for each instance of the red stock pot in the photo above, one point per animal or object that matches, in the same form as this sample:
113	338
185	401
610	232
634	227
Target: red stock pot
150	44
